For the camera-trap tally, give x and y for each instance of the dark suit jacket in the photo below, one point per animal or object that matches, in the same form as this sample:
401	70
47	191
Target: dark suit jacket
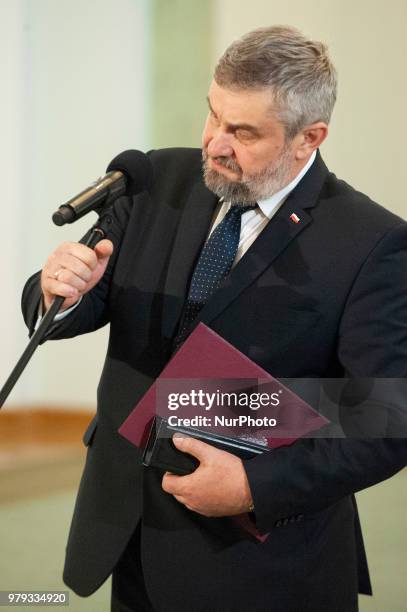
325	297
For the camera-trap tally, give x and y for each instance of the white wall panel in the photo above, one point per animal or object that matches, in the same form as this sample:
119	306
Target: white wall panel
77	83
368	46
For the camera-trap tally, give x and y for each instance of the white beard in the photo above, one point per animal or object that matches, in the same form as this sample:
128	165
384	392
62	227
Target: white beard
250	188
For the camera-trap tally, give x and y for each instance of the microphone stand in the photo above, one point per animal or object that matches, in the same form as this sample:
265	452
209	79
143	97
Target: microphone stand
97	233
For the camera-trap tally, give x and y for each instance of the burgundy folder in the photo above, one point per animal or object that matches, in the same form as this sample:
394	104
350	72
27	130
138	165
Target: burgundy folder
206	356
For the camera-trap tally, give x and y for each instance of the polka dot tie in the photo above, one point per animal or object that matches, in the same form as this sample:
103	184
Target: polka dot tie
214	263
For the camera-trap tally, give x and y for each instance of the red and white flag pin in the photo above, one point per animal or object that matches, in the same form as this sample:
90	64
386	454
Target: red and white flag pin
295	218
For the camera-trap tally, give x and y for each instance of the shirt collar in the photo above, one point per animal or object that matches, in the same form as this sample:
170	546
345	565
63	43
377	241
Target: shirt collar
269	206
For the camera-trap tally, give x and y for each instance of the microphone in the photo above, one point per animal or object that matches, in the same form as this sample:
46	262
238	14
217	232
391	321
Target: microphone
129	172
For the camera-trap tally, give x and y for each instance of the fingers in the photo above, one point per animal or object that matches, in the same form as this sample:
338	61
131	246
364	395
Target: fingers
74	249
173	484
66	280
179	485
70	267
52	287
202	451
218	487
72	270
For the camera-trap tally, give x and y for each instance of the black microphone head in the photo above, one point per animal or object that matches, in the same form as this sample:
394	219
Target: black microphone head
137	168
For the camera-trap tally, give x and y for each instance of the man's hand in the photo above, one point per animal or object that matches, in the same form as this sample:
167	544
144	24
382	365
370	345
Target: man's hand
72	270
218	487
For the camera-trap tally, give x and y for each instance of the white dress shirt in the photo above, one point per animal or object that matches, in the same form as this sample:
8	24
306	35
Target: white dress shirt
254	221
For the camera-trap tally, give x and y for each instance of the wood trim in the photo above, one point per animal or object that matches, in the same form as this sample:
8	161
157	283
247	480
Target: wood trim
40	425
41	451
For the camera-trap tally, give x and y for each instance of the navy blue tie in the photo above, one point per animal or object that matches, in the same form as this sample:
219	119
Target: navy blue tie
214	264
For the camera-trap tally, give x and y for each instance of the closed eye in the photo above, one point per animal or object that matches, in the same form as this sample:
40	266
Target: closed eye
245	135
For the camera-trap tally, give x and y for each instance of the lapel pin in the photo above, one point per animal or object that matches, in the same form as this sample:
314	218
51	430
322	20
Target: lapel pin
294	218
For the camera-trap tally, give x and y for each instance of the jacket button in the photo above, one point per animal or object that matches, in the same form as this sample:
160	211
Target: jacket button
300	517
285	521
278	523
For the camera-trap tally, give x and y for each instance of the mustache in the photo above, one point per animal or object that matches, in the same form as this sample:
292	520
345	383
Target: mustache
224	161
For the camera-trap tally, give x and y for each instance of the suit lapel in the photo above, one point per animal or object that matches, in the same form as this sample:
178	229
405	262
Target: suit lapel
276	236
192	231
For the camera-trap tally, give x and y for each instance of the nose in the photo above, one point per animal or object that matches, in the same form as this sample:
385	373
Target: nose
218	143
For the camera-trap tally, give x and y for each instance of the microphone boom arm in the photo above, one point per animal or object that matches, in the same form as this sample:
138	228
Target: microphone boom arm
98	232
129	172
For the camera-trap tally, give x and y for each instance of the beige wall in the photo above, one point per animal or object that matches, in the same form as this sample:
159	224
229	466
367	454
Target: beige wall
181	48
74	94
64	72
368	45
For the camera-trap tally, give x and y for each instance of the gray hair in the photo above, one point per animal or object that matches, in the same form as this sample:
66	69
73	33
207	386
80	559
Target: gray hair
298	71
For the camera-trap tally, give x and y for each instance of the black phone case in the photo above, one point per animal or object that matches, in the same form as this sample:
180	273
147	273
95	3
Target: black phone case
160	451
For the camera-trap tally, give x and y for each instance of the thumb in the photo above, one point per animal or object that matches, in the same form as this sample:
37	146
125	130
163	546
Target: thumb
104	249
193	447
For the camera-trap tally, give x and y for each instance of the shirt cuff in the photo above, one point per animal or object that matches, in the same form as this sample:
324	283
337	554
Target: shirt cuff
58	317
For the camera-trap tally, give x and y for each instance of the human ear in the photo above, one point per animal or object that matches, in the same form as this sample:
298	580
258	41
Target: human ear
310	138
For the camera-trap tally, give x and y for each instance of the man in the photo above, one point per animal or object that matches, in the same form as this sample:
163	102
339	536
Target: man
316	290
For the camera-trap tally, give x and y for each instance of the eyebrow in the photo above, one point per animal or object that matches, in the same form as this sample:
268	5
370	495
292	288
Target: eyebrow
236	126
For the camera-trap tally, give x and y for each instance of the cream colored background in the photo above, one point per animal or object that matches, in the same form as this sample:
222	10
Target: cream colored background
368	44
75	91
81	81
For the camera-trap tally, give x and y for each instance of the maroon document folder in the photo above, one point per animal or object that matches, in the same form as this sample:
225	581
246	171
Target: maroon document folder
207	359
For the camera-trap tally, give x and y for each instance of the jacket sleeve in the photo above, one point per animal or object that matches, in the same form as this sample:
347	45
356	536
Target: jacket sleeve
312	474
